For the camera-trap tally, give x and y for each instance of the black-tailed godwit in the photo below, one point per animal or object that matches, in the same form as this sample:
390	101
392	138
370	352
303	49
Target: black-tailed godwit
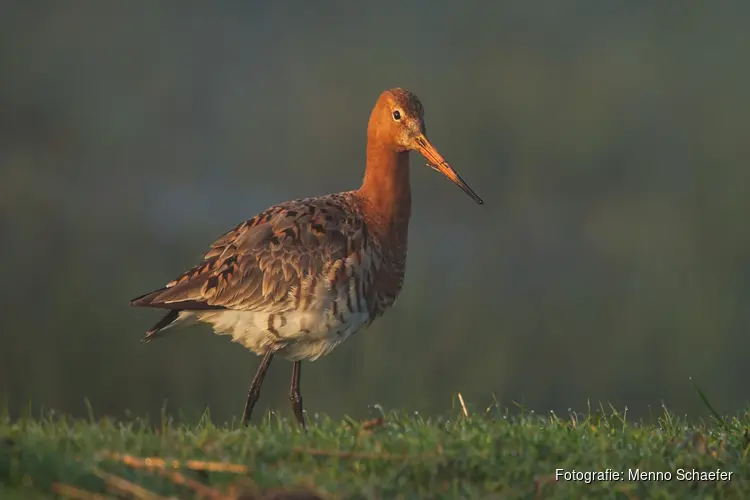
301	277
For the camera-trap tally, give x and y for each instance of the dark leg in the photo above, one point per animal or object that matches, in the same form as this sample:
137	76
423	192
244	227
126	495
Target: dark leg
295	395
254	392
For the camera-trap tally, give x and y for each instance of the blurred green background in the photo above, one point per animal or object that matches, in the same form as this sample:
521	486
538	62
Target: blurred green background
611	261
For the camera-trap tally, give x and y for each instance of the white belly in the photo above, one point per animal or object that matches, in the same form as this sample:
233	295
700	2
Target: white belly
296	335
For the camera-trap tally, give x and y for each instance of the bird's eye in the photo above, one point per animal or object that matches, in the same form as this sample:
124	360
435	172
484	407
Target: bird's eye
397	115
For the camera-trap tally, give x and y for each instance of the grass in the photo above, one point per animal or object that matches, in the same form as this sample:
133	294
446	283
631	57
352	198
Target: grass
492	454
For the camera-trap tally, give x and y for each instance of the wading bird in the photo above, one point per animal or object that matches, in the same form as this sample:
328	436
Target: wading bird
301	277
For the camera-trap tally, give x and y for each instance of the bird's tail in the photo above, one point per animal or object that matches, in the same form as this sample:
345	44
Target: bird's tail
167	321
180	311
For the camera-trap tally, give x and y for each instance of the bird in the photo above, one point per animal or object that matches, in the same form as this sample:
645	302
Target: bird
302	276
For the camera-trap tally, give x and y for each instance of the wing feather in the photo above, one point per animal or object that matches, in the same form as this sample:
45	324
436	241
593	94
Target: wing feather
269	260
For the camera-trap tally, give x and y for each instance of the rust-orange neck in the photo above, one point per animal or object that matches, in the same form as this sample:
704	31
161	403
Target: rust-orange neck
386	191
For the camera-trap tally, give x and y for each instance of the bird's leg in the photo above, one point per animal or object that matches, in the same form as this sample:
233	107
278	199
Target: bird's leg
254	392
295	395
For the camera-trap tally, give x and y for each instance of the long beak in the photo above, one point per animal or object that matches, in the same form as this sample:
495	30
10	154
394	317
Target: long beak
437	162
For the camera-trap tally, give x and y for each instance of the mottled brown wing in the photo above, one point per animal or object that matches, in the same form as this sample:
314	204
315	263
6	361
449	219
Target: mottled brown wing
262	263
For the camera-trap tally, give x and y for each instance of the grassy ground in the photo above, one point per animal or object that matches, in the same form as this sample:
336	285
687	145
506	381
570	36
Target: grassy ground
487	455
